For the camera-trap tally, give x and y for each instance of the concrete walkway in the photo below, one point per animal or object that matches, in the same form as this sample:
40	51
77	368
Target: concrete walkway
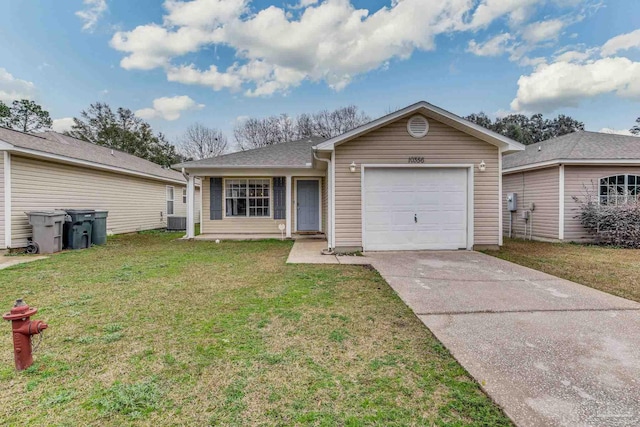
10	261
549	351
309	251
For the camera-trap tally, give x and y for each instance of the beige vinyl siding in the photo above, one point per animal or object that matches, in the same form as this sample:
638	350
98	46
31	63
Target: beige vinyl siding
542	187
392	144
133	203
576	179
249	225
2	221
325	204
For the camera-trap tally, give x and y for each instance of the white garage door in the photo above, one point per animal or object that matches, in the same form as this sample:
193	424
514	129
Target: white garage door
415	208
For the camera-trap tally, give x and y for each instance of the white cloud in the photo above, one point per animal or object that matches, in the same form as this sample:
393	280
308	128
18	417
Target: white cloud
543	30
62	125
621	42
565	84
91	14
330	41
169	108
12	88
492	47
517	11
188	74
617	131
327	41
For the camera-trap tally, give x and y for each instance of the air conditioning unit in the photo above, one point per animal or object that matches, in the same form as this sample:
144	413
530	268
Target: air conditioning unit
176	223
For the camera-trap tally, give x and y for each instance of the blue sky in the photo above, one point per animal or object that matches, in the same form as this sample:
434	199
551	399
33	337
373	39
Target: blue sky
576	57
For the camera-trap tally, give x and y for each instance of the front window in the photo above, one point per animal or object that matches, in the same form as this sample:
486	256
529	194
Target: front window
619	189
184	195
247	197
170	200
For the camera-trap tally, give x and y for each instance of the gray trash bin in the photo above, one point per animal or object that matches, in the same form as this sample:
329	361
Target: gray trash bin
99	229
48	227
77	228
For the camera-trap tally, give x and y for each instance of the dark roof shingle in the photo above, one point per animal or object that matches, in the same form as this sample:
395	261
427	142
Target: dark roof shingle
582	145
285	154
62	145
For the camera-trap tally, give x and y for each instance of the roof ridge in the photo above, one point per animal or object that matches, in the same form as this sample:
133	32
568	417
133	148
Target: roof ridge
575	142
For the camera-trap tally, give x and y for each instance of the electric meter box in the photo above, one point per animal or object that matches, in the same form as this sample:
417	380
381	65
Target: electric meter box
512	202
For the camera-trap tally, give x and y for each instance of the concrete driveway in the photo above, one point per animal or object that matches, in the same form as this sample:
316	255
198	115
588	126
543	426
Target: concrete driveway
549	351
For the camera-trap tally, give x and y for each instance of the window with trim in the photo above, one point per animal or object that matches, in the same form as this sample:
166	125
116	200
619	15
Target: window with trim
170	195
184	195
247	197
619	189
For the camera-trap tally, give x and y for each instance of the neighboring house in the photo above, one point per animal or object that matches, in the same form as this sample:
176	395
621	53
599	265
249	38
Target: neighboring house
551	173
52	171
419	178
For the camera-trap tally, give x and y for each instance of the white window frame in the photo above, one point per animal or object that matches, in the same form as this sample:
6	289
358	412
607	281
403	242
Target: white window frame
247	179
625	186
184	195
172	200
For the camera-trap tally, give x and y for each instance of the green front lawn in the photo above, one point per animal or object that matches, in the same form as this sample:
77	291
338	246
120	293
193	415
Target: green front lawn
153	331
610	270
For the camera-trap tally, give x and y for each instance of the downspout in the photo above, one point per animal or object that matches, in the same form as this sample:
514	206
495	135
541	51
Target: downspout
329	199
191	204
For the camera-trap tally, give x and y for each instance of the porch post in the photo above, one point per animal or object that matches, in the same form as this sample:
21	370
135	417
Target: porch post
288	190
191	207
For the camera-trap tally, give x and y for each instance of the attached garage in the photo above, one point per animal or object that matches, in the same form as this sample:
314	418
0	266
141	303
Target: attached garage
421	178
417	208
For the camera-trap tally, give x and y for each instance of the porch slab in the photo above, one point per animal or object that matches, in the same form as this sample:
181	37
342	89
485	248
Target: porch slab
309	251
253	237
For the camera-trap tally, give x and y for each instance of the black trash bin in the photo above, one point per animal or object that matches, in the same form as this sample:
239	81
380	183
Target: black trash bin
77	228
99	228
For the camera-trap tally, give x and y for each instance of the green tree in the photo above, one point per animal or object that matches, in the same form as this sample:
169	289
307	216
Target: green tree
26	116
528	130
636	128
4	112
123	130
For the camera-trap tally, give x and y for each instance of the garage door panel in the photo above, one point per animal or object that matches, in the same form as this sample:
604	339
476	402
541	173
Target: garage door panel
415	208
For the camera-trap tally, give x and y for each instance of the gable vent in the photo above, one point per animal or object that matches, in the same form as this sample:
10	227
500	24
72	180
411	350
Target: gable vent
418	126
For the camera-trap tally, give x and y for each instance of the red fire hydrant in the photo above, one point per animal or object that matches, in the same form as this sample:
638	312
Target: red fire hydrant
23	328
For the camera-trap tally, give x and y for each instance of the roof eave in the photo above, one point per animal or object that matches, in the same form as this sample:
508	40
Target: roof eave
573	162
4	146
187	167
505	144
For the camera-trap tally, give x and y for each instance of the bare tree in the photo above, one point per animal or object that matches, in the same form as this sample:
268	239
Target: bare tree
254	133
201	142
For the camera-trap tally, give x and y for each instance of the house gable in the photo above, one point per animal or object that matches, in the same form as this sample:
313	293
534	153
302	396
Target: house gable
432	112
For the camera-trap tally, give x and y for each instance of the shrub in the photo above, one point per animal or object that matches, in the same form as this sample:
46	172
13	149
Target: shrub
611	224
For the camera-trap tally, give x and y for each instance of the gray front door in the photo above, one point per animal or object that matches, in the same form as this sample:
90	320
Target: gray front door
308	205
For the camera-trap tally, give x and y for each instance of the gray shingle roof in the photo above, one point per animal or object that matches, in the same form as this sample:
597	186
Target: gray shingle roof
582	145
287	154
62	145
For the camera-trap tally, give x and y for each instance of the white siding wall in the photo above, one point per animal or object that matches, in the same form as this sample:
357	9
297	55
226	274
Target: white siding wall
2	221
133	203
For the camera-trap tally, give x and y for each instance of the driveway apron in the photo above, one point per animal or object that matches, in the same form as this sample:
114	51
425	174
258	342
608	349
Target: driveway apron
549	351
